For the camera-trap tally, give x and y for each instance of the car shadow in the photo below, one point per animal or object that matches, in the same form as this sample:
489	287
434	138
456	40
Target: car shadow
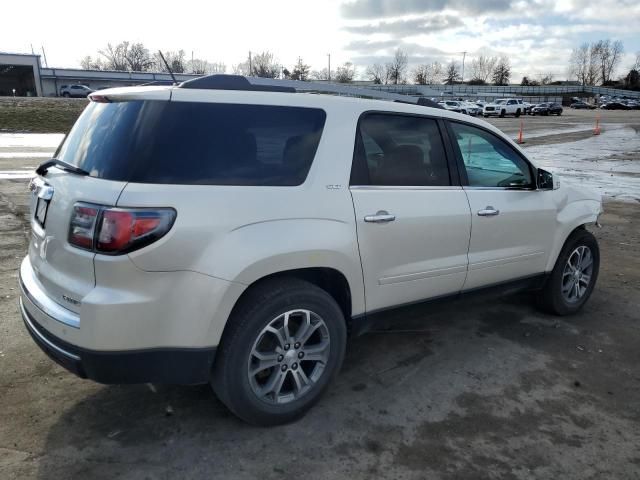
158	431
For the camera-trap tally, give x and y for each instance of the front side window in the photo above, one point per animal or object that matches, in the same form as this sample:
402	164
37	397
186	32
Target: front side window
489	161
399	150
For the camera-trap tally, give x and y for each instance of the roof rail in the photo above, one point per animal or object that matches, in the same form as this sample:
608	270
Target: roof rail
239	82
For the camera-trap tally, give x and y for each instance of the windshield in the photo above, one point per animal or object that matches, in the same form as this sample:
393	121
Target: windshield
194	143
500	102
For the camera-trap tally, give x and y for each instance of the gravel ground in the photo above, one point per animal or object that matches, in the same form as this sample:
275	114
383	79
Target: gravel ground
487	388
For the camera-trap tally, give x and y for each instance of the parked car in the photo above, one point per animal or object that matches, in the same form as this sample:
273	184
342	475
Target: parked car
547	109
582	106
77	91
470	108
615	106
504	106
238	238
451	105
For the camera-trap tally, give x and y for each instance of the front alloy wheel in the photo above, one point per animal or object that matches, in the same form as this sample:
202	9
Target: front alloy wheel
574	275
577	273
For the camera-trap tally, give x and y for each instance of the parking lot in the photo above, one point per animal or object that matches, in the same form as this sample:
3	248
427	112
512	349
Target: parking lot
482	388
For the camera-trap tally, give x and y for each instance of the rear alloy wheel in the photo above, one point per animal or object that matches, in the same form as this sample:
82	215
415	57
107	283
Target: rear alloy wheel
283	345
574	275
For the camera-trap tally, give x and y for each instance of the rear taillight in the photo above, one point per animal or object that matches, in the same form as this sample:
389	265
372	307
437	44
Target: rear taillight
115	231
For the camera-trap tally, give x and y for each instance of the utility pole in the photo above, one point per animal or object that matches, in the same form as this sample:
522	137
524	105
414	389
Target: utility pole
464	54
44	54
329	72
250	65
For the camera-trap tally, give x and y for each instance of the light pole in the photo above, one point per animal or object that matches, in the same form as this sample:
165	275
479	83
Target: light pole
329	71
464	54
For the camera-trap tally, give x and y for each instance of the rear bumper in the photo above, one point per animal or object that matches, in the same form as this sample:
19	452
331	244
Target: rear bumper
164	365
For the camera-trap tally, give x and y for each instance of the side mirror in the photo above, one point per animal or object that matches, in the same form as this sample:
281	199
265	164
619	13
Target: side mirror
546	181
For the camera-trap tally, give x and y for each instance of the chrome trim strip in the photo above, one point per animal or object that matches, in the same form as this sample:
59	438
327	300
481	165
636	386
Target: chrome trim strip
422	275
32	289
42	338
499	262
511	189
399	187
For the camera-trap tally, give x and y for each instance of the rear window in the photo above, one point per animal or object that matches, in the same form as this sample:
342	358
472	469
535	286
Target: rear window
195	143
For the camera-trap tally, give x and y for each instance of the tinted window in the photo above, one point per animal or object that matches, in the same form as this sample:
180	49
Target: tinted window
195	143
399	150
488	160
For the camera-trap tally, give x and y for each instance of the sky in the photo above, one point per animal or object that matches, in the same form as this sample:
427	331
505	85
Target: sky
536	35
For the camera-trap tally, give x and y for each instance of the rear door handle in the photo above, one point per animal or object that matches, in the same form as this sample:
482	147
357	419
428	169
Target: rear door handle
382	216
488	212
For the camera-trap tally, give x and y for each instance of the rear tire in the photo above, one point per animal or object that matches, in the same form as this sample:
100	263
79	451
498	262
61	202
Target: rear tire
66	95
266	371
567	289
502	113
517	113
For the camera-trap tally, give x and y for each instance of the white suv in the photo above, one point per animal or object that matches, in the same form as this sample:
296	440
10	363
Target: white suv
505	106
221	232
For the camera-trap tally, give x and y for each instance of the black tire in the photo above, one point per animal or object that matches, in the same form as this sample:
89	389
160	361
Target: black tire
502	113
66	95
550	298
517	113
257	309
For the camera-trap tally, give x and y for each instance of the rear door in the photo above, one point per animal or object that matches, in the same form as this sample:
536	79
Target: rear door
413	222
512	223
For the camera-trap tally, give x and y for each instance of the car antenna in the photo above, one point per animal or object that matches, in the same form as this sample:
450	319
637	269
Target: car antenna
175	82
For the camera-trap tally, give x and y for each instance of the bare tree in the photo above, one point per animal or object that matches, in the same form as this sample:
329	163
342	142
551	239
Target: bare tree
482	68
636	65
115	56
452	74
502	72
420	75
177	61
89	63
609	55
346	73
300	71
201	67
397	68
265	65
321	74
138	57
377	74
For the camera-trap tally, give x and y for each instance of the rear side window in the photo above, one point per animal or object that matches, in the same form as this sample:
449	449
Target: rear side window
399	150
195	143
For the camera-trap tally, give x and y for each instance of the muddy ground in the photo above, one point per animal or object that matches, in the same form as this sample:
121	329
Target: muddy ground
481	389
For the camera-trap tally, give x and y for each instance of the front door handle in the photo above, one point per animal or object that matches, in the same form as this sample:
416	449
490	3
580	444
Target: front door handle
382	216
488	212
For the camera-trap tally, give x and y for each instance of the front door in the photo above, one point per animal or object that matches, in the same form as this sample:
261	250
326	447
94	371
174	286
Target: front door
413	223
512	223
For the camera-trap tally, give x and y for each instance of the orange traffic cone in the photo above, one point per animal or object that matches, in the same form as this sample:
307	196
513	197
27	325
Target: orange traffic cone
520	140
596	131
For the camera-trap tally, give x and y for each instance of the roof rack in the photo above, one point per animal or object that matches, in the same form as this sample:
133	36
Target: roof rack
239	82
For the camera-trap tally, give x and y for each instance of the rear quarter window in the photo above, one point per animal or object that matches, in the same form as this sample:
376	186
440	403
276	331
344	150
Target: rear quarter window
195	143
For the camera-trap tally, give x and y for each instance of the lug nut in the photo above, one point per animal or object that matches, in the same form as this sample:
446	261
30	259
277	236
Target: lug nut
283	368
280	358
301	355
294	366
287	346
297	345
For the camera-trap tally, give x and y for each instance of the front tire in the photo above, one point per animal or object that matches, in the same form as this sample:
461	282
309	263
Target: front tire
283	345
573	277
502	113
